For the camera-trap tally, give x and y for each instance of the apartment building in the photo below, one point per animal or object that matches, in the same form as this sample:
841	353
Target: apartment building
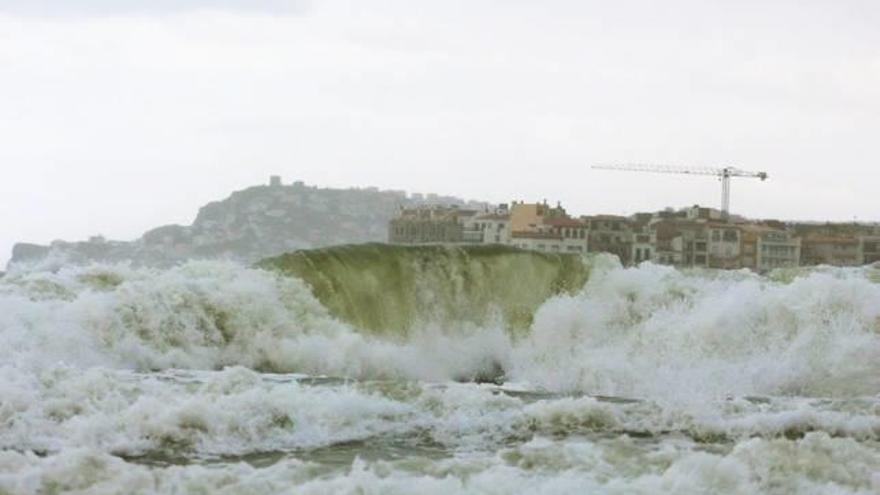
489	228
573	232
539	227
664	230
777	249
680	242
765	247
724	245
610	234
537	241
869	249
526	217
693	243
642	238
429	225
818	249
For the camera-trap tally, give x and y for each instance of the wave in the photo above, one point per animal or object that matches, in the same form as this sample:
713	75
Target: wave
647	332
815	464
392	289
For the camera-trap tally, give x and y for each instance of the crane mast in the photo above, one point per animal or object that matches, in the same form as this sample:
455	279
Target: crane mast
723	173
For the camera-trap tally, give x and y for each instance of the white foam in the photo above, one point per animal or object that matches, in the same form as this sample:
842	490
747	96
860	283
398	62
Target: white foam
108	360
817	464
656	332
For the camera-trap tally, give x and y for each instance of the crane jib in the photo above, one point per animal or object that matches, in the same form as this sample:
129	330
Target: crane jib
723	173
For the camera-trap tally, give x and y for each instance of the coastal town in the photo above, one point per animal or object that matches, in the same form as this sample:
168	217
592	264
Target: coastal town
689	237
277	217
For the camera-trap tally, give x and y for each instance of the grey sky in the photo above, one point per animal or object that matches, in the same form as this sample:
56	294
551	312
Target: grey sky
116	119
85	8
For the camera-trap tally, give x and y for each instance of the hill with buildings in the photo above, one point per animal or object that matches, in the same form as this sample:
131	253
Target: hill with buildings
249	225
269	220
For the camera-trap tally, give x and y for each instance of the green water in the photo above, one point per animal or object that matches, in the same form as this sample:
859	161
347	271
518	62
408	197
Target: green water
389	289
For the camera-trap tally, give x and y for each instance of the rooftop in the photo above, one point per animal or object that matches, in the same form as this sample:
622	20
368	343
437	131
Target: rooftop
522	234
564	222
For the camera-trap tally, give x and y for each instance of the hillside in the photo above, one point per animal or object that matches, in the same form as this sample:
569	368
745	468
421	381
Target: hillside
249	225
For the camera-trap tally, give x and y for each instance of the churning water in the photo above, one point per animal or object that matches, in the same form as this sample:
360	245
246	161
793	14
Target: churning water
562	378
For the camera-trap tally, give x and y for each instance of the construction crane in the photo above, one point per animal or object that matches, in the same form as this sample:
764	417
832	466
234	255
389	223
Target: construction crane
723	173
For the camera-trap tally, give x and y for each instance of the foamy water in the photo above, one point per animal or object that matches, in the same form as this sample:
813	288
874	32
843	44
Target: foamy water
216	378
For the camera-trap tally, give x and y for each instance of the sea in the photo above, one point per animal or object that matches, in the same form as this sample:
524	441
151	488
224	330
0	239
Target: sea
215	377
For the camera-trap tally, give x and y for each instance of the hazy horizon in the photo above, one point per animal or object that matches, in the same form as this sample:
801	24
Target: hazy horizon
123	116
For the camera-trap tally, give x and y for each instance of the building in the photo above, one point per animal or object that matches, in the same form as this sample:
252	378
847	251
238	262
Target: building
540	227
680	242
538	241
693	243
749	235
490	227
724	246
778	249
869	249
697	213
573	233
693	237
765	248
429	225
644	238
818	249
525	217
667	249
610	234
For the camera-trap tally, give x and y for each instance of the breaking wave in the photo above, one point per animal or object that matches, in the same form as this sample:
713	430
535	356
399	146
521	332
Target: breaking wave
650	331
392	290
216	376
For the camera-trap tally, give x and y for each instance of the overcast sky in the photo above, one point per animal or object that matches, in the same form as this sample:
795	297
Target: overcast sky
120	115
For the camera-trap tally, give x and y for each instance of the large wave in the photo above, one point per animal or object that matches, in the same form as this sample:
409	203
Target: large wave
393	289
649	331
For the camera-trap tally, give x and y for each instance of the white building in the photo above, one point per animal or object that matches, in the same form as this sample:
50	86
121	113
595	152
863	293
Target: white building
724	246
777	249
